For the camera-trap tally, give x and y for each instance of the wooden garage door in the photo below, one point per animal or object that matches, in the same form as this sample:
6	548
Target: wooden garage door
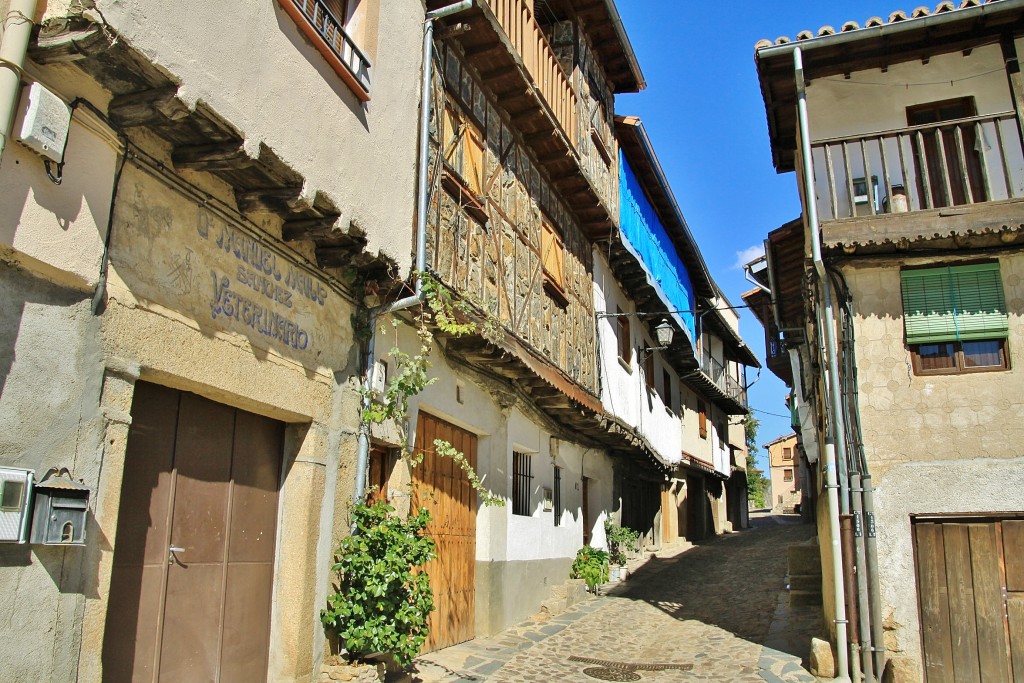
443	488
970	578
193	563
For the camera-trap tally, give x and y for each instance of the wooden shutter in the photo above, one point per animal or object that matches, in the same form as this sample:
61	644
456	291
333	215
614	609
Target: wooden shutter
553	255
702	424
953	303
625	344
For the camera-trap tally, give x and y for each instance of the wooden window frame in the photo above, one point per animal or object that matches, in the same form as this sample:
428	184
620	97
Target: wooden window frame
648	355
787	474
557	495
666	383
624	337
960	366
787	453
922	291
552	257
462	143
702	419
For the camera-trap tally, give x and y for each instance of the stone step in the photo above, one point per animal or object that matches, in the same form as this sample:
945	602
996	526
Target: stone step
804	558
802	598
805	582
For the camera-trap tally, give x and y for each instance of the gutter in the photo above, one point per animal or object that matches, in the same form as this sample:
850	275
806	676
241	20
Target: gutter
363	453
890	29
832	386
17	31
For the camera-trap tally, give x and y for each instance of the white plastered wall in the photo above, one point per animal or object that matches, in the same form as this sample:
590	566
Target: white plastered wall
624	390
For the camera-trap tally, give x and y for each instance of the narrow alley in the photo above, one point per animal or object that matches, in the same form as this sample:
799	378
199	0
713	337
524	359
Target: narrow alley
715	612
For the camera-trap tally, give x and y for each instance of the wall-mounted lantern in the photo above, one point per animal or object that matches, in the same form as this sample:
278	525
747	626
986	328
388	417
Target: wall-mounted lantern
15	494
60	510
664	332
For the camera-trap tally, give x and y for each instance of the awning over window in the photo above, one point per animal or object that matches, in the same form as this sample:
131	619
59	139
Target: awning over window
954	303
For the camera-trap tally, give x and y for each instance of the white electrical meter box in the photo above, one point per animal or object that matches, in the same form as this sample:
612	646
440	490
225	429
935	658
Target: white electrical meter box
379	378
15	495
43	123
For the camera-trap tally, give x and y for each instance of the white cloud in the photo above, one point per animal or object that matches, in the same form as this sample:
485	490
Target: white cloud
747	255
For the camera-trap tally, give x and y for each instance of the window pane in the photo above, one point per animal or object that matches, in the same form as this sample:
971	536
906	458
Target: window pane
983	354
937	356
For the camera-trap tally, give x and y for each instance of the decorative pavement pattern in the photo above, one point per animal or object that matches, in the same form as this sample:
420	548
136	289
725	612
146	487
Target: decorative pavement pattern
714	612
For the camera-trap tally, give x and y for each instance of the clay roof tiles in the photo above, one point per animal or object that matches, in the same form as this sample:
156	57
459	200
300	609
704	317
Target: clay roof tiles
874	22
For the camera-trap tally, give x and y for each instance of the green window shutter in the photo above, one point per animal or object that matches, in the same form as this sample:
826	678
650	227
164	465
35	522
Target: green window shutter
928	306
954	303
980	307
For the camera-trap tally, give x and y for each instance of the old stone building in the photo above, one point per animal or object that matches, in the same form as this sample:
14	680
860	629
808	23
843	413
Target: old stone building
893	309
177	321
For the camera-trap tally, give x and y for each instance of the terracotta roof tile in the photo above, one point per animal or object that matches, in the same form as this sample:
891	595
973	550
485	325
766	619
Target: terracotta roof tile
874	22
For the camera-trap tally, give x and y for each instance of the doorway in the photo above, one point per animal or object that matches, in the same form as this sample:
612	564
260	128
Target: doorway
192	576
947	153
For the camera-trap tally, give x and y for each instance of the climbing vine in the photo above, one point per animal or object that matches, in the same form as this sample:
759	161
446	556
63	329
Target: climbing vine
453	317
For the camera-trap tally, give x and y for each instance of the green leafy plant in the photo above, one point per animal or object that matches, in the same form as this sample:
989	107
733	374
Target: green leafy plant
621	540
591	565
383	598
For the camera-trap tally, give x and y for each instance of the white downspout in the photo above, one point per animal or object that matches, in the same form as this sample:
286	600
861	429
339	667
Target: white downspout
830	356
363	454
17	30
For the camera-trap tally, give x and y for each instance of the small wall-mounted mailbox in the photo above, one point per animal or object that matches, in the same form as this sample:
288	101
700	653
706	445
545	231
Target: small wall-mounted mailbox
15	494
61	507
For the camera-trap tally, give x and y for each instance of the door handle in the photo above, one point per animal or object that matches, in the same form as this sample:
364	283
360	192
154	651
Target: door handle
171	556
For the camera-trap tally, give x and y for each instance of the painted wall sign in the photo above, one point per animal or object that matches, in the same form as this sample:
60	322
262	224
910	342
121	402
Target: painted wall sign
181	255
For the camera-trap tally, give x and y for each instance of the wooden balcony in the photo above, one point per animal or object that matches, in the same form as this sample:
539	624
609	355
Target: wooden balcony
504	44
961	162
526	38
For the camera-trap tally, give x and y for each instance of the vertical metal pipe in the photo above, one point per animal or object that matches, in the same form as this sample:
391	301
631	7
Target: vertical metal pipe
363	455
842	642
17	30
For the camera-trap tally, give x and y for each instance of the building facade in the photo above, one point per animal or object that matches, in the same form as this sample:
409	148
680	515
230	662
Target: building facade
785	474
177	334
904	352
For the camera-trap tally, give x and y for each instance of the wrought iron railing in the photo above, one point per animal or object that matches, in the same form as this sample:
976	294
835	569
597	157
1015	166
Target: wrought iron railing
524	33
719	375
331	29
963	161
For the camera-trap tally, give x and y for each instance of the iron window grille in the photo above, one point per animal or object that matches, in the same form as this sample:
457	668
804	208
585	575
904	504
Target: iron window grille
330	29
521	483
558	496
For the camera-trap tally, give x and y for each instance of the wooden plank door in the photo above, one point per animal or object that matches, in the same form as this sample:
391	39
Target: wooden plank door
965	630
442	487
587	524
193	564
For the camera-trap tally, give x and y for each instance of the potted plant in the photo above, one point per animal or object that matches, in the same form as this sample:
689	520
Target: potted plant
621	540
591	565
383	597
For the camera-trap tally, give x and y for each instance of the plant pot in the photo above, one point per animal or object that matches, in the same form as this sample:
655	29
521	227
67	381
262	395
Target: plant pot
618	573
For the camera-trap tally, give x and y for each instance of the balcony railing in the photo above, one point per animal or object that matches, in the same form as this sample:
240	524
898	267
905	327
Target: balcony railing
331	30
964	161
517	21
717	373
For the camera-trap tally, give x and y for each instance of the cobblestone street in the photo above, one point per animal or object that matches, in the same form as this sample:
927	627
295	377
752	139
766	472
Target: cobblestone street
714	612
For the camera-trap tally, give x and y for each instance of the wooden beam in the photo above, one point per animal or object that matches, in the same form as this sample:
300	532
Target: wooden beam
1013	75
500	72
215	157
483	49
275	199
335	257
147	107
328	227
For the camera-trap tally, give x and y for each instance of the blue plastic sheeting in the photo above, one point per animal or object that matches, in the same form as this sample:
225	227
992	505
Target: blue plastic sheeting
646	237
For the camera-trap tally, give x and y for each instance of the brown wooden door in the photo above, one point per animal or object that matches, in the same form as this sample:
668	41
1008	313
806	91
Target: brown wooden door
586	511
970	578
442	487
193	564
945	161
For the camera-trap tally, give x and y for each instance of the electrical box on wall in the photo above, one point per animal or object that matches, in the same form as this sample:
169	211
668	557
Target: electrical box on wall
60	512
15	494
43	123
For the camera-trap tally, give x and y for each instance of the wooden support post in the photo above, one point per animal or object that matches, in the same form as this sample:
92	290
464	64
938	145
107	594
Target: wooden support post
1013	75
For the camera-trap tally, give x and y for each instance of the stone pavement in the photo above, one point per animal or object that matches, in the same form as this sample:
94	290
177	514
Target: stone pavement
714	612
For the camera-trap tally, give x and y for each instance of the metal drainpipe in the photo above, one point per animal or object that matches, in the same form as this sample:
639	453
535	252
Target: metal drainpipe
363	455
17	31
842	641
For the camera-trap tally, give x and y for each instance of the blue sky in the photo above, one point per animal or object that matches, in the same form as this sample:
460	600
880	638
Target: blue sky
704	114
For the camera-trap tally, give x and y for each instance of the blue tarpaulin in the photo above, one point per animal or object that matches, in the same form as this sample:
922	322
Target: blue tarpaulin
646	237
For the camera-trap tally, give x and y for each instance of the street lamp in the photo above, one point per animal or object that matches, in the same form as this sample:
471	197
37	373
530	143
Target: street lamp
664	333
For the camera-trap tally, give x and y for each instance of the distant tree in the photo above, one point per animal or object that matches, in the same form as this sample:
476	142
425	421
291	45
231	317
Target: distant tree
757	483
